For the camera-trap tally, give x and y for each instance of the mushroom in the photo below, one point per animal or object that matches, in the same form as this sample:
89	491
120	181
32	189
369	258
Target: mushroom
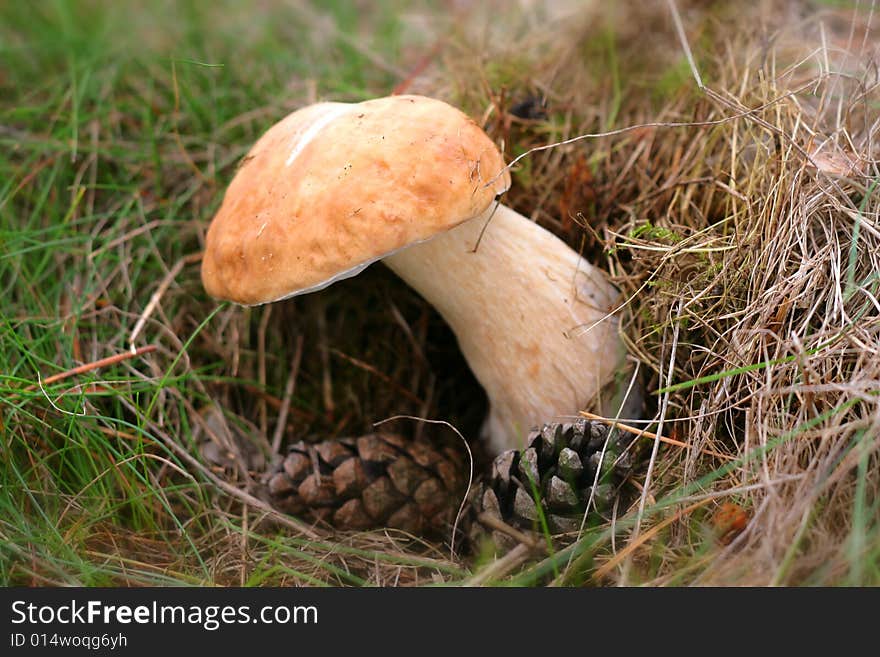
414	182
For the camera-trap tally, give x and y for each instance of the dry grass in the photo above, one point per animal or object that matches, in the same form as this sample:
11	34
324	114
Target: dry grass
741	222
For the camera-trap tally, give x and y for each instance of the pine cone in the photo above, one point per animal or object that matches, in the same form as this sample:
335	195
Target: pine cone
376	480
384	480
550	482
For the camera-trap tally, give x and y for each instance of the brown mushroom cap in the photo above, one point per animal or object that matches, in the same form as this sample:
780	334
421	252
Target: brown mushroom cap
334	187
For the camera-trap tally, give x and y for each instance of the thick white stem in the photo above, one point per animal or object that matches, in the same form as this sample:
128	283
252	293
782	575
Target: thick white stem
528	314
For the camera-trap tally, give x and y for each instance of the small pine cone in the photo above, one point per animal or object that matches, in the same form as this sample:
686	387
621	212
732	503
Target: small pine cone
372	481
557	468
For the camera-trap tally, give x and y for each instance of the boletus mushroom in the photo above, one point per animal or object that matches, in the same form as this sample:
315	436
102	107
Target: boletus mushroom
414	182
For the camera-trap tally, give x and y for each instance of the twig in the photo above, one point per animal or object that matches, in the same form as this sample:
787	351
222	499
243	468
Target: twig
94	365
288	394
679	28
501	526
501	567
160	291
647	434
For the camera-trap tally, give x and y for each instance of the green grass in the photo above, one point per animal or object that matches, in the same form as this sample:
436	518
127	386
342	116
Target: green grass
119	128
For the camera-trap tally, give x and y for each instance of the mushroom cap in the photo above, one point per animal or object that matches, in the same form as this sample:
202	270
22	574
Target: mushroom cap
334	187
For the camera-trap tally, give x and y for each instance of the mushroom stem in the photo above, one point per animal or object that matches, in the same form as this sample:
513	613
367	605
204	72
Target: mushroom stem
529	313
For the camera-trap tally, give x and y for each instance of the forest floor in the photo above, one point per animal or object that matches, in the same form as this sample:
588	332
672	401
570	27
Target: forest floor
725	178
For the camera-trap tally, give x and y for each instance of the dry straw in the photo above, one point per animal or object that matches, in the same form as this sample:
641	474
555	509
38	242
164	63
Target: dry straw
738	210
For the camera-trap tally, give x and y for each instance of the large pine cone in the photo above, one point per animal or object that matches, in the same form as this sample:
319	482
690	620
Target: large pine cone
385	480
547	486
376	480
